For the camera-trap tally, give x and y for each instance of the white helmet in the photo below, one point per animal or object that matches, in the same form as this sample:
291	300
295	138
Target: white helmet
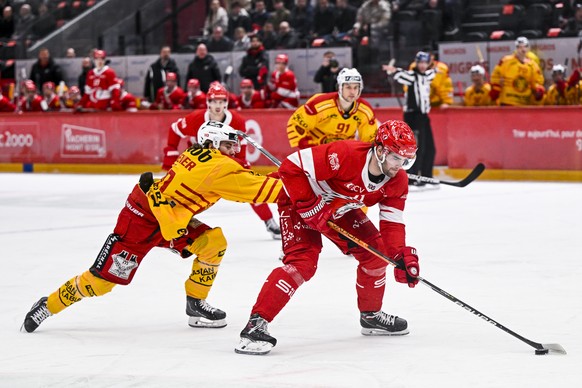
349	76
521	40
215	131
559	69
478	69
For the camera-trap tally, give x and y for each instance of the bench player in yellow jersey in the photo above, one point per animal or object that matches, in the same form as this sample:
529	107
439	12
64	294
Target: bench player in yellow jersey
161	213
328	117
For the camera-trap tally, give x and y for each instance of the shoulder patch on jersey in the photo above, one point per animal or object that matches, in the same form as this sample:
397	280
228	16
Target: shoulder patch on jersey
319	102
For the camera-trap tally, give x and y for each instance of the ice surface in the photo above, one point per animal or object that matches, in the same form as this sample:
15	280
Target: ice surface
511	250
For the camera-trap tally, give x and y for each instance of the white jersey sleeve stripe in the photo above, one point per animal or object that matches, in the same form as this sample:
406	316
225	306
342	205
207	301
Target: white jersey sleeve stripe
391	214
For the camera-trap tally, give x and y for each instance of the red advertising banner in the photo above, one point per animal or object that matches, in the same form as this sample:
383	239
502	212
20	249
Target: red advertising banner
545	138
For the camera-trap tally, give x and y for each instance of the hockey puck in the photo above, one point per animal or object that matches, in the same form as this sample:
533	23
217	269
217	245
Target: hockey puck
540	352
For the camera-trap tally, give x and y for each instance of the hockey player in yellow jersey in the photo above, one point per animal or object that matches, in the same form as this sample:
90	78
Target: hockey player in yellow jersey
478	93
161	213
559	93
329	117
517	80
441	87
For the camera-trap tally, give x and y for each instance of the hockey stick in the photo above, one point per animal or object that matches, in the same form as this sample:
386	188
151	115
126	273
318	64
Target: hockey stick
468	179
539	348
462	183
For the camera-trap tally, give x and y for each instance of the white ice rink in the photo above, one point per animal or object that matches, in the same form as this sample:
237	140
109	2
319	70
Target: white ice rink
511	250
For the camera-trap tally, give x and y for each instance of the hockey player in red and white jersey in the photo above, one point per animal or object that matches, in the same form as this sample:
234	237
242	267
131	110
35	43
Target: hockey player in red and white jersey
127	101
101	89
51	99
332	182
187	128
31	101
249	97
5	104
195	98
171	96
282	85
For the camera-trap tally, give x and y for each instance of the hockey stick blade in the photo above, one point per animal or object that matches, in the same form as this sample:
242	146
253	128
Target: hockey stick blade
540	348
478	170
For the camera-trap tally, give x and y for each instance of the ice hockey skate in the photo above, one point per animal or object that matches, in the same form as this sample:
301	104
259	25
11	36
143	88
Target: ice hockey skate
255	338
204	315
37	314
380	323
273	229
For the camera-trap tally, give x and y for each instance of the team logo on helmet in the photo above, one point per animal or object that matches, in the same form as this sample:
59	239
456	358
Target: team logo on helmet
397	136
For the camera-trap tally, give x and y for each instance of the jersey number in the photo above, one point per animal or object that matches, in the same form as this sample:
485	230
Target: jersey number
343	128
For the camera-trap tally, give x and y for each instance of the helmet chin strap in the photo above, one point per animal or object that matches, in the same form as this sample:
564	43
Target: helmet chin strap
380	162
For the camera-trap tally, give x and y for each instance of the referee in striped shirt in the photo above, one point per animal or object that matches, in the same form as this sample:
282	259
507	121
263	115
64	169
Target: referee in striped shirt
416	109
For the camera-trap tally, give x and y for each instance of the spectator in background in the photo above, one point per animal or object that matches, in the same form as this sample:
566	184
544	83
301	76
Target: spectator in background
7	23
204	68
324	20
242	42
268	36
51	99
255	65
217	17
218	43
517	80
287	39
345	17
280	13
327	73
156	74
127	101
31	101
86	65
45	69
171	96
259	15
573	26
478	93
238	19
195	98
249	97
24	23
70	53
102	90
45	22
283	85
301	20
372	20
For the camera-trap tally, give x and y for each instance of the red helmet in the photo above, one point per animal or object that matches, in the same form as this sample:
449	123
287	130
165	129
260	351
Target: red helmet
397	136
246	83
99	54
171	76
217	91
49	84
282	58
74	90
193	83
30	85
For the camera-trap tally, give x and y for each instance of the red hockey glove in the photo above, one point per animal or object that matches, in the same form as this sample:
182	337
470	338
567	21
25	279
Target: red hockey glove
495	92
170	156
315	213
539	92
407	270
305	142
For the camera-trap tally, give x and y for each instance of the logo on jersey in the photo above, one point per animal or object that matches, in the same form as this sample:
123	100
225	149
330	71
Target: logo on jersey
121	266
334	161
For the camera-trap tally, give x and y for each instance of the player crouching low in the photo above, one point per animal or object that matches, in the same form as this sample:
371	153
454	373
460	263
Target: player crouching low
332	182
160	213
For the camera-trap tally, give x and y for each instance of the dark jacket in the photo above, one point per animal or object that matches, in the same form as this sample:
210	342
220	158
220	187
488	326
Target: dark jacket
205	70
155	79
51	72
253	64
326	78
